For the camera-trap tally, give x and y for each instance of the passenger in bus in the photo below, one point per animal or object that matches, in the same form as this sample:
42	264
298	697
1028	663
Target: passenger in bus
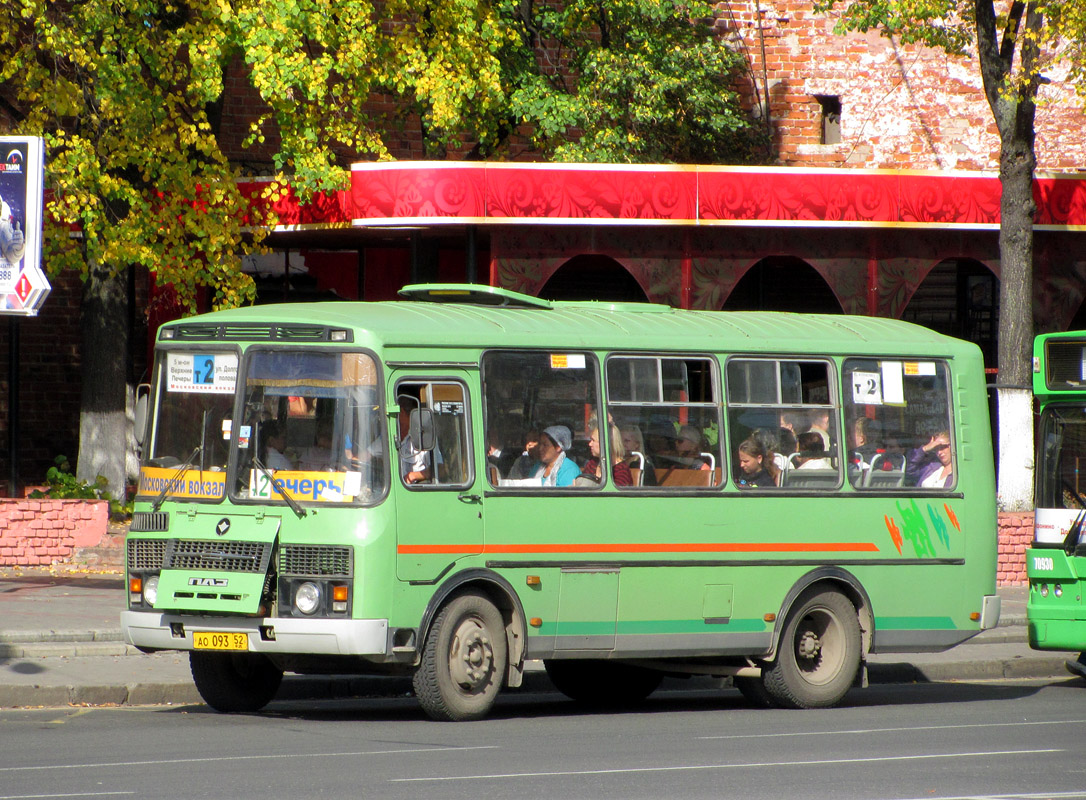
275	443
528	460
756	467
785	445
931	466
689	446
620	470
319	455
819	422
498	454
811	453
661	442
633	442
554	468
415	464
865	445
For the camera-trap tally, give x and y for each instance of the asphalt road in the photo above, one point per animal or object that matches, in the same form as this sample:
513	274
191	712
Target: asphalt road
993	740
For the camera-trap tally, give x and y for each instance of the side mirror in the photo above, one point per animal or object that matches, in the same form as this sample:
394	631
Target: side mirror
143	400
421	428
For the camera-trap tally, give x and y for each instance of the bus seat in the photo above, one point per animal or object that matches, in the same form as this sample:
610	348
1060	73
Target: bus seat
670	476
493	474
635	473
880	477
811	478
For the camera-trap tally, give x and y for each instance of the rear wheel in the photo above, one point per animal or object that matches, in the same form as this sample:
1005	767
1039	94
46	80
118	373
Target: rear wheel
602	683
463	660
819	652
232	682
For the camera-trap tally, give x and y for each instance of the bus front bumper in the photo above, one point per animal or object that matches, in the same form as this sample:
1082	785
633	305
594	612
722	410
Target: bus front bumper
343	637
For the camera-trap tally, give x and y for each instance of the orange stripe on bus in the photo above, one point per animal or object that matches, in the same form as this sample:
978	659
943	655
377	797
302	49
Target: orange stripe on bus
712	547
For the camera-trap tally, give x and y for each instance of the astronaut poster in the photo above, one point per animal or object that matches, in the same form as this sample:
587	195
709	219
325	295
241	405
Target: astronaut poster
23	285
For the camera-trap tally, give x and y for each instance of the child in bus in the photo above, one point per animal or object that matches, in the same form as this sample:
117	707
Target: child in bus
756	467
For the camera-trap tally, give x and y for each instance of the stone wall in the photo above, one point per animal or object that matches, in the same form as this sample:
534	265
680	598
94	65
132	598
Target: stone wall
41	533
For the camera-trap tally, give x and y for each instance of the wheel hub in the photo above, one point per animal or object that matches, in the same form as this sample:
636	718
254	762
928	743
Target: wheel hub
808	645
471	656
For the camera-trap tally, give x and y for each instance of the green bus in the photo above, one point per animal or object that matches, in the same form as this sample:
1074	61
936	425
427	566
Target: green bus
1056	561
468	482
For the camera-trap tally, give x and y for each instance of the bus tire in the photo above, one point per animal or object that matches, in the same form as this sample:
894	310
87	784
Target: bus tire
818	654
235	682
602	683
753	689
463	661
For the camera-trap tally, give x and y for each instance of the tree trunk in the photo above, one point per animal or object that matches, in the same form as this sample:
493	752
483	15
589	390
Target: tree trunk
102	418
1015	402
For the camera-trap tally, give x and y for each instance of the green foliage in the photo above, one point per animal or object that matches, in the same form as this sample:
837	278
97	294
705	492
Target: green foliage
63	485
629	81
120	93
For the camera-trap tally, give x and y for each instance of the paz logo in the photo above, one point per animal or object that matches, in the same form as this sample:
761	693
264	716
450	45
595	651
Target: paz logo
222	526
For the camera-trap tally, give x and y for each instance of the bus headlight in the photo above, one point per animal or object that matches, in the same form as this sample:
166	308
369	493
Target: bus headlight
1057	590
150	590
307	598
1044	590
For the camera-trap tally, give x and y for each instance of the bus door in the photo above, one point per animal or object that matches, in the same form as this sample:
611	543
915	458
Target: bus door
438	511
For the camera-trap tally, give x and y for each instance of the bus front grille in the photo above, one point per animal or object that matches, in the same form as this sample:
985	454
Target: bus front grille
146	554
200	554
316	560
150	522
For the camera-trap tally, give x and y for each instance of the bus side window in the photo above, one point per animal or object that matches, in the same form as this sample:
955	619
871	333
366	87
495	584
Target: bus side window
442	408
783	424
667	410
899	430
525	393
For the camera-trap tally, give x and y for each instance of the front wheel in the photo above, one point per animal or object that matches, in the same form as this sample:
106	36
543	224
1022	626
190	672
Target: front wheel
819	652
233	682
463	660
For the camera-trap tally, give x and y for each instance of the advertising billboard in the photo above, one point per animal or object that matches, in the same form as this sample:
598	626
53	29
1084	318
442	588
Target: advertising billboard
23	285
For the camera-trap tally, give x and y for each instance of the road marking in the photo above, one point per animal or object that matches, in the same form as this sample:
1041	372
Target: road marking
895	730
78	794
1031	796
249	758
752	765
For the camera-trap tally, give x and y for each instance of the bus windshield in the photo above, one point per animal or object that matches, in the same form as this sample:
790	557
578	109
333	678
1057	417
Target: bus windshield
190	433
311	420
1061	471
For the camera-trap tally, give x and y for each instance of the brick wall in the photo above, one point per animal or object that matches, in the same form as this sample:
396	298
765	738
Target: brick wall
902	106
45	532
1015	535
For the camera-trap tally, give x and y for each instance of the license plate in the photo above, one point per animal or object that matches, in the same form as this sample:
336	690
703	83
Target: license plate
206	640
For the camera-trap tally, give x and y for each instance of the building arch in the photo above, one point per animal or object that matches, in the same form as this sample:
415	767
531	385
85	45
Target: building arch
593	277
783	283
959	297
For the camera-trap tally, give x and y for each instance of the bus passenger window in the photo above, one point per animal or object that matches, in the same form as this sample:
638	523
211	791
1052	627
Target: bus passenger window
783	418
444	461
899	427
668	415
541	408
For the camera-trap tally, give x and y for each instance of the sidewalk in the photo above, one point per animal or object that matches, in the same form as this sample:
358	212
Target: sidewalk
61	644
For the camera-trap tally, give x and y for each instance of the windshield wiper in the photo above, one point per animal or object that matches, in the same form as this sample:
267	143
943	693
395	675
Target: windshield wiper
279	487
177	474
